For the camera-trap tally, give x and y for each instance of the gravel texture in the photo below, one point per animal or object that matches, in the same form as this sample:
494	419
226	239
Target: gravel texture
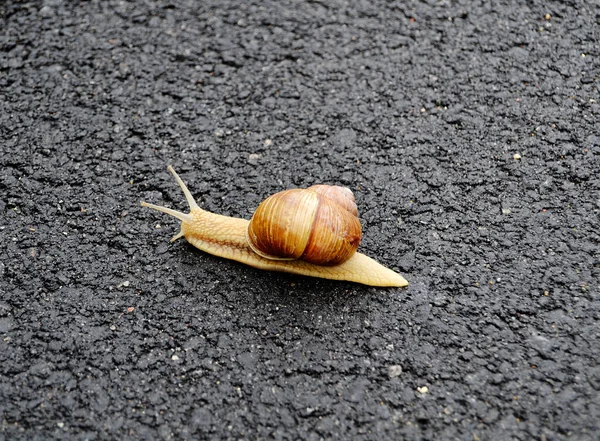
469	132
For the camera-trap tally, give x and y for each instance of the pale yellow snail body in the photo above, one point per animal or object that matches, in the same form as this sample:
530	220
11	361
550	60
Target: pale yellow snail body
241	240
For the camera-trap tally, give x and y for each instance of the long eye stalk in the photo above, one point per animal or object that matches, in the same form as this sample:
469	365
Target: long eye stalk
184	217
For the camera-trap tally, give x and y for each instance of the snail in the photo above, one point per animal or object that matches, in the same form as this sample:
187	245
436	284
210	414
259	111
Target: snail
289	232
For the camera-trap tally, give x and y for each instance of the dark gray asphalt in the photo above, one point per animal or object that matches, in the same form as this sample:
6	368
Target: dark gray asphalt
469	132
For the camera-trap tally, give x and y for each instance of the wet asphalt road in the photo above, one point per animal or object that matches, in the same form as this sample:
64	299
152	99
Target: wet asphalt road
467	130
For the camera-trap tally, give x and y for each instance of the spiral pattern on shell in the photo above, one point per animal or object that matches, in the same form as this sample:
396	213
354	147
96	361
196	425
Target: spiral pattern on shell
318	225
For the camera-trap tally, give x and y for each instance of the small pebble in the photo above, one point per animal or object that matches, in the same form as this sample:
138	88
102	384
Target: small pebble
253	158
46	11
394	371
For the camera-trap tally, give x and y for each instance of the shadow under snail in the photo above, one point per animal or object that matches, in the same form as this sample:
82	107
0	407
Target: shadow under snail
312	232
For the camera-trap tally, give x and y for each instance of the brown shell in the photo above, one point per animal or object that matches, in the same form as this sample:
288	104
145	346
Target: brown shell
318	225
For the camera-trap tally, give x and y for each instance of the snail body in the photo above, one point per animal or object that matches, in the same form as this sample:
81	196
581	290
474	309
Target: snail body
271	240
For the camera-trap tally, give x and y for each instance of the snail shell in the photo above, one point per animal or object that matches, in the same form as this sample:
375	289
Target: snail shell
318	225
